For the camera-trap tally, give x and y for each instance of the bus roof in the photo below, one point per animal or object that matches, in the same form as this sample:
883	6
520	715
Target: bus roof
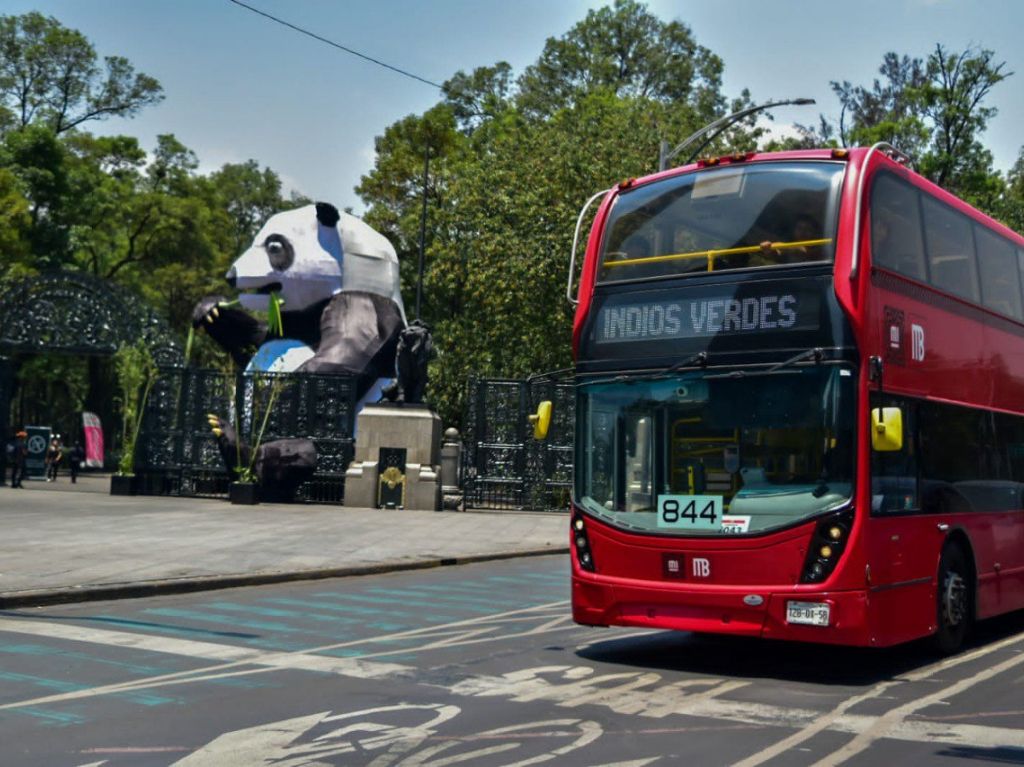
854	156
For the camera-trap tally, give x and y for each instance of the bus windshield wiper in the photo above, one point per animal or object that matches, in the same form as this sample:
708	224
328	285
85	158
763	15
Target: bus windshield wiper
701	358
817	353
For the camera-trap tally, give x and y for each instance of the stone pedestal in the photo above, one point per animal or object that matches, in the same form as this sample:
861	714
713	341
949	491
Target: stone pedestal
414	429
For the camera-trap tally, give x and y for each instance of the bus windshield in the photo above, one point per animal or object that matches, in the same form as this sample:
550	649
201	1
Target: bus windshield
731	217
773	449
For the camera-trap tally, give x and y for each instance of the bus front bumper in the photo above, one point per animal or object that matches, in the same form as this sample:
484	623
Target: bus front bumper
754	611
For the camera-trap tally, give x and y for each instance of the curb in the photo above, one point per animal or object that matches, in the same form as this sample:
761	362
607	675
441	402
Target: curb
72	594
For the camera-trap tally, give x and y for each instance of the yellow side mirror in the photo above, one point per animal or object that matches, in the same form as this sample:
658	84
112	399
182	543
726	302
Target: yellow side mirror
887	429
541	420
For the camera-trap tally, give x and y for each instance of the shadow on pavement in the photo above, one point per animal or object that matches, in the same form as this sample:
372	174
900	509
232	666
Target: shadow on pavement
991	755
88	482
743	657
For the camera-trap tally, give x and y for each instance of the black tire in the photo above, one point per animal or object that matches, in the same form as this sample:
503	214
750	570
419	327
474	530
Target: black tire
954	600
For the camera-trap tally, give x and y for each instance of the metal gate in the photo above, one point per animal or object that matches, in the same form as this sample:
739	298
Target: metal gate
177	453
503	466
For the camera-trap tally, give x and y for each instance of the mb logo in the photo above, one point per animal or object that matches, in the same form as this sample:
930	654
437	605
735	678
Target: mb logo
701	567
917	343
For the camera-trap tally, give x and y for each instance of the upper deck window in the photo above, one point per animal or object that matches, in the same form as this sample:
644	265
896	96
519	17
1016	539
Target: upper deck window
1000	283
896	228
732	217
951	256
916	235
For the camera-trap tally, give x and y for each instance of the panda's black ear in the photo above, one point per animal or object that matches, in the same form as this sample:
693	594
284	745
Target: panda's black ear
327	214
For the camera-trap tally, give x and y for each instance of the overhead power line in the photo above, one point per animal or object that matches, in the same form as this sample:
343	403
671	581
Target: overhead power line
334	44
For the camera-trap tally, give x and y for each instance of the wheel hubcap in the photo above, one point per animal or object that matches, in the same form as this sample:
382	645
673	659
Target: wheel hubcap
954	599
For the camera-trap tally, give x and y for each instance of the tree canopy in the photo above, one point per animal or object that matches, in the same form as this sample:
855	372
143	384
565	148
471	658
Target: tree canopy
51	75
140	216
510	159
935	109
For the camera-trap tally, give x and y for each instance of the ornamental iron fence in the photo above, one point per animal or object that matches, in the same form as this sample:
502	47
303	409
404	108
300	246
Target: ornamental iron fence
503	466
177	453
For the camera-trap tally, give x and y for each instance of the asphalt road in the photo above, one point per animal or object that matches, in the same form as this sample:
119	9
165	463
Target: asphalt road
475	665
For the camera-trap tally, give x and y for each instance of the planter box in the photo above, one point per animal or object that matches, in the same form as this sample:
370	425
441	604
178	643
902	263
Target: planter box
244	493
122	485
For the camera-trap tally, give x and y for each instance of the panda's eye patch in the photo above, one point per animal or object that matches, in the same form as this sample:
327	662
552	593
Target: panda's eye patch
279	251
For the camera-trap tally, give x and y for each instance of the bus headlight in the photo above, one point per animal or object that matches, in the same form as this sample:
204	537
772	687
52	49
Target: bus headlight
582	544
826	547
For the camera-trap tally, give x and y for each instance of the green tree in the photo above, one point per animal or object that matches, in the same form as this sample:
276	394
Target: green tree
889	111
51	76
172	167
1010	209
249	196
510	165
15	222
628	51
479	96
396	187
40	164
117	221
934	109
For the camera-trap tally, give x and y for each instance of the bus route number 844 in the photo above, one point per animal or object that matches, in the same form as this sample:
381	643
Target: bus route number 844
690	512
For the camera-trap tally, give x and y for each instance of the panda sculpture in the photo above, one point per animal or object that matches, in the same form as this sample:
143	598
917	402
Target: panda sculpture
341	312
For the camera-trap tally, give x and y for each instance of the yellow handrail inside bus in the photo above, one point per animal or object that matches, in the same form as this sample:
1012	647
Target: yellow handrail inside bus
711	255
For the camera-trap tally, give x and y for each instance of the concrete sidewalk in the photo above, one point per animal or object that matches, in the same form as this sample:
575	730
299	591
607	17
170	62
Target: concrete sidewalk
61	543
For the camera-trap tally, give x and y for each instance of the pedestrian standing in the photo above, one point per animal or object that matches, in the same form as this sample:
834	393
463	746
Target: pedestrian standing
75	458
20	458
8	459
53	458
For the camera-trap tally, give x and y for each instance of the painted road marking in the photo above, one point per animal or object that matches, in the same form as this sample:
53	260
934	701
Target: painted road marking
829	720
896	718
404	734
640	693
233	658
644	694
206	650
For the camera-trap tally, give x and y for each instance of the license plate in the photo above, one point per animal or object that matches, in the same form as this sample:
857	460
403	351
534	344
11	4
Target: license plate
809	613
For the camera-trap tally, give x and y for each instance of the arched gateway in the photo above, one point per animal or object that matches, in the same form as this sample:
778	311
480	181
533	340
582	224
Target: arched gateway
75	313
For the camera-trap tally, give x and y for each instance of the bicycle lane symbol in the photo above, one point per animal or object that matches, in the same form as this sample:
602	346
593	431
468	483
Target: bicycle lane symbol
404	735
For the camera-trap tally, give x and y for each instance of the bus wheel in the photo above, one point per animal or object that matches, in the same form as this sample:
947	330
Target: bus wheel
955	605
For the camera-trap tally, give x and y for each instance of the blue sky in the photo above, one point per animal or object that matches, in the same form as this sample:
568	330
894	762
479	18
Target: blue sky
239	86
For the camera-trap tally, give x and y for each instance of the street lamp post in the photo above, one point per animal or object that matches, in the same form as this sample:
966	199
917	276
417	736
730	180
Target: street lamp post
709	132
423	231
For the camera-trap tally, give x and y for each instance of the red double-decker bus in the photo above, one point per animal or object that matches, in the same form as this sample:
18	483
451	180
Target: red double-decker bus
800	408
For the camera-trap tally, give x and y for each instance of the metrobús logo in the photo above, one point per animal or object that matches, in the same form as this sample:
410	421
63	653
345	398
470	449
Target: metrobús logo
698	317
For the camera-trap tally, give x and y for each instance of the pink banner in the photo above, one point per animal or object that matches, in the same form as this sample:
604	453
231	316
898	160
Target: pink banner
93	440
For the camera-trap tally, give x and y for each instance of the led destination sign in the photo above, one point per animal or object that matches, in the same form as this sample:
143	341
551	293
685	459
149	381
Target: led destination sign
705	316
740	318
700	317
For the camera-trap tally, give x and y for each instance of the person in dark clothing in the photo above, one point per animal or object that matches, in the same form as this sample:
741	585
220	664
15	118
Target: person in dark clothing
53	459
75	458
7	459
20	457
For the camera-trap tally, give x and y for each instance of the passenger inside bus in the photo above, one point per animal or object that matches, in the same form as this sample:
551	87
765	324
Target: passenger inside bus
803	229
